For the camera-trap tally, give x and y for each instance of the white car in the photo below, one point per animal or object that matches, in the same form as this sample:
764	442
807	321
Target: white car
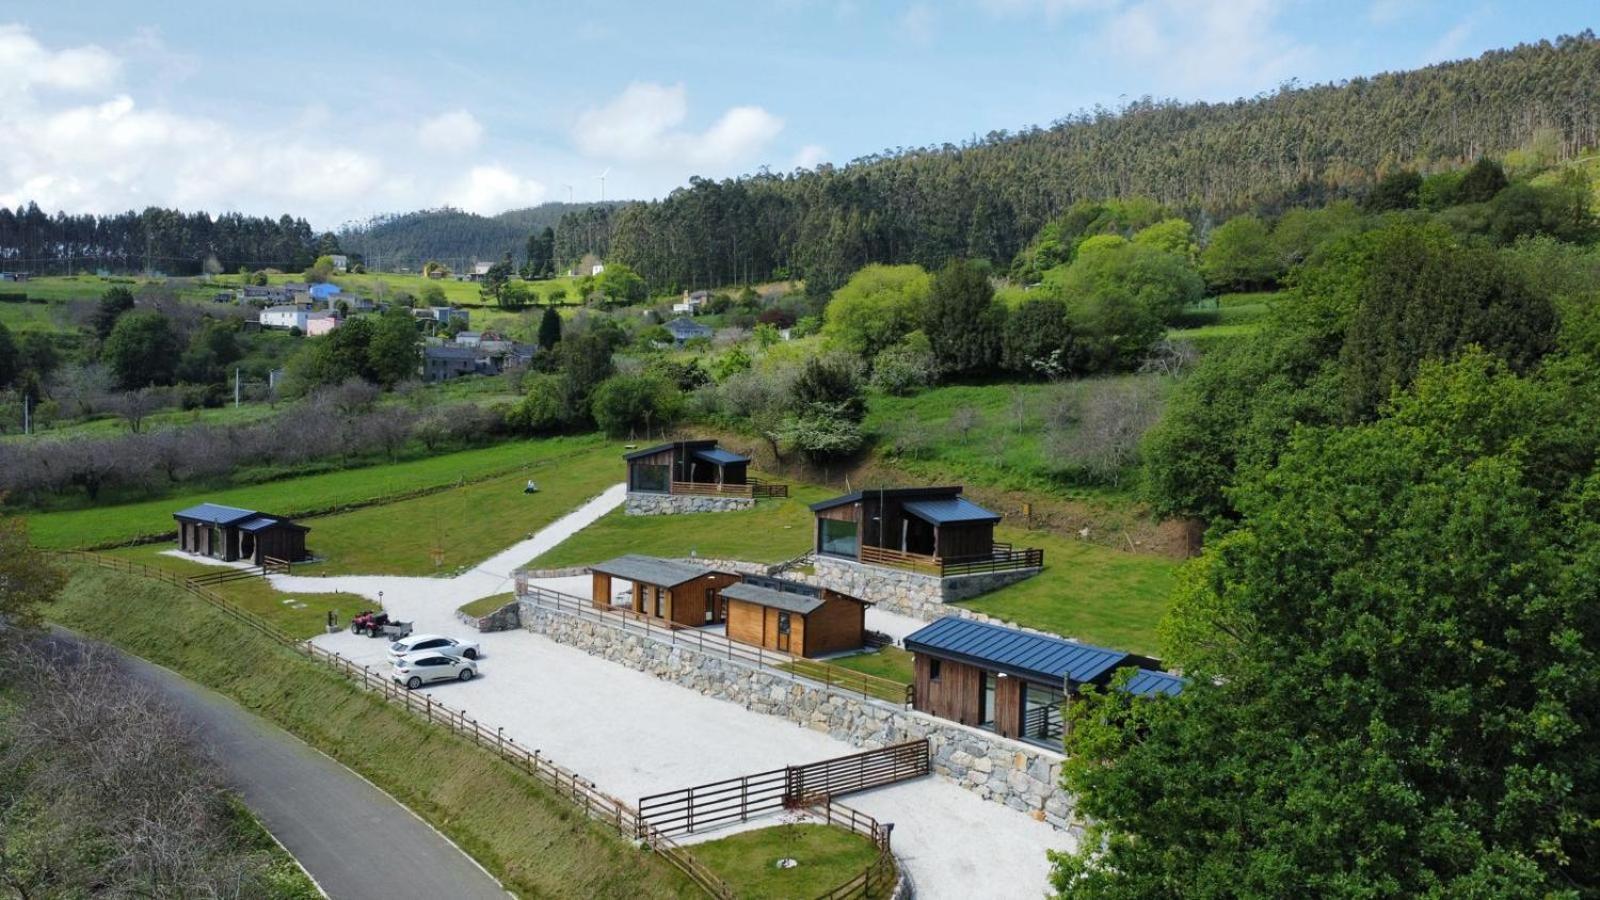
438	643
418	669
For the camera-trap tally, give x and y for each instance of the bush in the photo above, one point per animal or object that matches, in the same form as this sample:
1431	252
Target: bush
624	403
905	368
541	410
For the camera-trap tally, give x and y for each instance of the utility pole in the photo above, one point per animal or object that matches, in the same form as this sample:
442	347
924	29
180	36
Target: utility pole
235	387
27	414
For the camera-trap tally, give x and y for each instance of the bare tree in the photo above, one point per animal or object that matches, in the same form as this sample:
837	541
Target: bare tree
1115	417
1171	358
964	420
136	406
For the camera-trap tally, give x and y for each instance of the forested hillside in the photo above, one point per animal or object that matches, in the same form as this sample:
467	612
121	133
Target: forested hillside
453	236
1300	145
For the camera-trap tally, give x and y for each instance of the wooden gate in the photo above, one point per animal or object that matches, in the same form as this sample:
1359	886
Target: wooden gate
842	775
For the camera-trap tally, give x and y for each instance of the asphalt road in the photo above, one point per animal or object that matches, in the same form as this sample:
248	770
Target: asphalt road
355	840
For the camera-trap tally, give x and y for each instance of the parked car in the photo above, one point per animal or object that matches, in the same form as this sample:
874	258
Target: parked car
438	643
418	669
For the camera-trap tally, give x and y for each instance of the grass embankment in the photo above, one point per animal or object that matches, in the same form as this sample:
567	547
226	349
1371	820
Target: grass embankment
886	662
772	532
534	842
288	881
485	605
827	857
109	525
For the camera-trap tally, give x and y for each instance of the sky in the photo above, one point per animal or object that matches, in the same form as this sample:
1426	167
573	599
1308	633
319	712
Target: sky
338	114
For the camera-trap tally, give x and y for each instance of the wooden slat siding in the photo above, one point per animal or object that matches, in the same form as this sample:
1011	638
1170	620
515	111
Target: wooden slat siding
840	624
712	489
956	696
963	539
581	792
1008	707
686	603
858	772
600	590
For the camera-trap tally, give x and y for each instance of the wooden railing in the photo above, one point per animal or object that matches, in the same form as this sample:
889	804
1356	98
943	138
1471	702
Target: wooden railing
858	772
755	488
878	879
1003	558
719	646
271	565
226	575
580	791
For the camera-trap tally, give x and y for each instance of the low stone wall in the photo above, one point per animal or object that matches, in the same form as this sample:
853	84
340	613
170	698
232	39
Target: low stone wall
639	504
1020	776
505	618
915	594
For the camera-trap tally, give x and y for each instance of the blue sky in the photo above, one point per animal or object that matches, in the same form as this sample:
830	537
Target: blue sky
337	114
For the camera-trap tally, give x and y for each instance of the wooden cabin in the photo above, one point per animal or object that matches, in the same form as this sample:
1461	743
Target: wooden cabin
793	617
932	528
230	534
682	593
1013	682
659	469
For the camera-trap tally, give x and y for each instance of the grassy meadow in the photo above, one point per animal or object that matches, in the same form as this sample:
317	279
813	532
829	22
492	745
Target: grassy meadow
828	857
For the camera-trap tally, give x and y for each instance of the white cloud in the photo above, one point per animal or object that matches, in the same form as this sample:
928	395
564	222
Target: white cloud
644	124
25	64
919	22
810	156
1450	44
487	190
451	132
1209	45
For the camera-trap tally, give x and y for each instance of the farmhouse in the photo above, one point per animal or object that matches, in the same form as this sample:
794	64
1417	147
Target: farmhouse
320	323
1013	682
340	262
681	593
441	363
228	533
684	330
931	529
793	617
284	317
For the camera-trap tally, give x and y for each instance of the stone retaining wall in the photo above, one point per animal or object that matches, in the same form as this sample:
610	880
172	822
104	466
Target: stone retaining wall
505	618
640	504
908	593
1018	775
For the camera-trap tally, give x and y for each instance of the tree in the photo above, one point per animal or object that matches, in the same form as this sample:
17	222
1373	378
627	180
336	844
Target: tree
962	321
833	381
877	307
395	351
549	328
320	271
433	295
10	358
27	577
1391	670
624	403
433	268
1400	189
1037	332
496	279
113	303
1240	256
823	433
907	367
516	295
1175	236
141	350
542	409
620	284
1481	182
1120	296
585	360
541	248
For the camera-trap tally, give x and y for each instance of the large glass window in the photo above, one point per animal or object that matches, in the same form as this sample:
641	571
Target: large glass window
1041	716
838	538
986	712
651	479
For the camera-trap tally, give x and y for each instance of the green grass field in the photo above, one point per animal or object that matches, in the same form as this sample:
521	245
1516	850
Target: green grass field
885	662
534	841
774	531
109	525
827	857
485	605
1086	591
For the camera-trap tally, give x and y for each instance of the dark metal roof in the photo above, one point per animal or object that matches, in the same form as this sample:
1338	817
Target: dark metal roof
214	514
720	457
680	327
262	523
662	448
1036	657
855	496
765	596
650	570
1148	683
944	512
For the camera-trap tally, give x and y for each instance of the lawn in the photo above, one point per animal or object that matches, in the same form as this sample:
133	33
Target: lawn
774	531
886	662
528	837
458	528
827	857
995	435
486	605
110	525
1086	591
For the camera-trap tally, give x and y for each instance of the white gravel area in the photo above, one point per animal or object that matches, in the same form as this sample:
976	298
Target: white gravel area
892	624
208	560
636	735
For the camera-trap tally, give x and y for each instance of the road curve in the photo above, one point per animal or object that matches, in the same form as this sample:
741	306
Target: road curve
356	841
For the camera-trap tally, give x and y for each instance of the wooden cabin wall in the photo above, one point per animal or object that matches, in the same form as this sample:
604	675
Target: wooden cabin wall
955	696
1008	706
280	543
840	624
600	592
687	601
747	623
966	539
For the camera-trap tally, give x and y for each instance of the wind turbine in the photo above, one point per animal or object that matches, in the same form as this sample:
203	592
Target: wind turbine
569	192
602	177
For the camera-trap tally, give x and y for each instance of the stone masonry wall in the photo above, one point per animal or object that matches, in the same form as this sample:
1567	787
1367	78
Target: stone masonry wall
505	618
640	504
915	594
1017	775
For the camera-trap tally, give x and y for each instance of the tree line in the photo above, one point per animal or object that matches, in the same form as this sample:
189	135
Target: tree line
160	240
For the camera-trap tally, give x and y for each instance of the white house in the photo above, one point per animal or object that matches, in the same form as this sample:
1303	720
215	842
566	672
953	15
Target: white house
340	263
597	269
284	317
691	303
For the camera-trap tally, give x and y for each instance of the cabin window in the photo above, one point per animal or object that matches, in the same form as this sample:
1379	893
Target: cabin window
657	593
986	702
1041	715
838	537
783	622
933	669
650	479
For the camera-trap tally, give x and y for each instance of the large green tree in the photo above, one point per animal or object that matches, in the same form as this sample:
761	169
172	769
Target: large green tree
10	358
962	321
395	350
1393	675
550	328
141	350
28	578
1240	256
877	307
113	303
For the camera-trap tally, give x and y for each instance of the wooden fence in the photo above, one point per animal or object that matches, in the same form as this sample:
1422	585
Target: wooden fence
719	646
756	488
857	772
877	880
1003	558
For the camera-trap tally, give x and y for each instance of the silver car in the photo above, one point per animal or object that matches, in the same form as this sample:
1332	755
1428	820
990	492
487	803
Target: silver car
438	643
418	669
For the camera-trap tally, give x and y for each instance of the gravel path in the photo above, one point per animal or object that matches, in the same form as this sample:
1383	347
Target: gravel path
636	735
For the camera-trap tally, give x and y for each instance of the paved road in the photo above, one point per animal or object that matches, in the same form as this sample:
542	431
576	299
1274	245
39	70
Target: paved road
354	839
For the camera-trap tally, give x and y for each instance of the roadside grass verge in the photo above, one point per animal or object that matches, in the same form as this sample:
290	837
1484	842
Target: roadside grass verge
485	605
892	663
530	839
826	858
106	526
287	881
1086	591
774	531
465	525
